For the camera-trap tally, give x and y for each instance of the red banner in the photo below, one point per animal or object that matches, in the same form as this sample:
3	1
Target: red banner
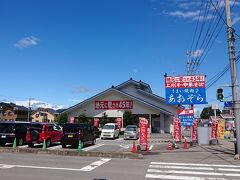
119	122
96	122
143	139
72	120
214	129
194	130
123	104
177	130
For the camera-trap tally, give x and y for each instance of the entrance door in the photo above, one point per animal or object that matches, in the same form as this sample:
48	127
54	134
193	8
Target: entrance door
155	124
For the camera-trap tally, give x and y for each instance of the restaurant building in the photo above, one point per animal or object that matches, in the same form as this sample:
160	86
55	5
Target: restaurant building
134	96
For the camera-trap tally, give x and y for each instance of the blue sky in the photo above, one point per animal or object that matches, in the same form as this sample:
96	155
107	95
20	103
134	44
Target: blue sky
59	52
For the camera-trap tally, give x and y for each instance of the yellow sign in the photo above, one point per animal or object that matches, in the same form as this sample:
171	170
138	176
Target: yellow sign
221	128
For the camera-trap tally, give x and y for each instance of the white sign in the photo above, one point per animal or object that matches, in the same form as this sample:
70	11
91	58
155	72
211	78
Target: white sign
215	106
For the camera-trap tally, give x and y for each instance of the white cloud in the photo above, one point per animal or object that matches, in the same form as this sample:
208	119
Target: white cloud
27	42
75	100
197	53
34	104
181	14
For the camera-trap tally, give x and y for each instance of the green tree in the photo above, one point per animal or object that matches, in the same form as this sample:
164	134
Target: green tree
83	118
104	120
62	118
127	117
208	111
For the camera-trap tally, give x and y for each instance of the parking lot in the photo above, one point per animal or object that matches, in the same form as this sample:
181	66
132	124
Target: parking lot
106	145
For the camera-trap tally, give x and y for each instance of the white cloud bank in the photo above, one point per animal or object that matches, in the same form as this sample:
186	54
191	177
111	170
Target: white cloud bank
34	104
27	42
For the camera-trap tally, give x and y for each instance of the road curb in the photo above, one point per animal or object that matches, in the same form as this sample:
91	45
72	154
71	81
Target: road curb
124	155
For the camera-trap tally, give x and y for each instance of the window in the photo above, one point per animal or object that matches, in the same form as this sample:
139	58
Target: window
50	128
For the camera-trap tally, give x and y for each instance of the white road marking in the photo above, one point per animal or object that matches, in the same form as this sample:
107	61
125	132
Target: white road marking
92	147
180	171
94	165
119	139
181	167
86	168
192	172
24	146
157	176
189	164
226	169
55	147
125	147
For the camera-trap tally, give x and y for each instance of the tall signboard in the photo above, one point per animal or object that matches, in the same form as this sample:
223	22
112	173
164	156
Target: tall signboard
143	139
177	130
185	90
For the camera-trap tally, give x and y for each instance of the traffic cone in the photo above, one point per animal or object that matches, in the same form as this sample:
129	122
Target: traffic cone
44	144
15	143
80	145
134	149
185	146
169	145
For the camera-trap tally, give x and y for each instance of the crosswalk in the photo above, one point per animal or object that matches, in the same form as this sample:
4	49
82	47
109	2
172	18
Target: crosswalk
190	171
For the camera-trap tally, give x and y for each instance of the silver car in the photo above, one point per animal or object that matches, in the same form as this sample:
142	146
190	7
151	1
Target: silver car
131	132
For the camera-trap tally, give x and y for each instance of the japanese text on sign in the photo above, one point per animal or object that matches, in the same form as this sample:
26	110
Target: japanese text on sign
143	139
124	104
185	89
177	130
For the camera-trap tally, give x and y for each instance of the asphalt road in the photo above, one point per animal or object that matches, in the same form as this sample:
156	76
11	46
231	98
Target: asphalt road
197	163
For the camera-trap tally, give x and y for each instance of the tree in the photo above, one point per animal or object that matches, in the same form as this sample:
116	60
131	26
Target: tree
62	118
83	118
104	120
127	117
208	111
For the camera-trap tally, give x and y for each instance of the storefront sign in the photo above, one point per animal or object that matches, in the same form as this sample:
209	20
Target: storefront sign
194	130
123	104
186	116
119	122
177	130
143	139
96	122
185	89
221	128
214	129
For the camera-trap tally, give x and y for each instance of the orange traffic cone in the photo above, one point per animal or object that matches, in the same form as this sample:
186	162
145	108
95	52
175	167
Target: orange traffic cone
134	149
169	145
185	146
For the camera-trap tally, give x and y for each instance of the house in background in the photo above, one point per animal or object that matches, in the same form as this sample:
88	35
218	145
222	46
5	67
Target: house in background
13	112
44	115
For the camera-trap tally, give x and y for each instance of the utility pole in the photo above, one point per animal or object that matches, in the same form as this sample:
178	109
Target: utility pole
232	59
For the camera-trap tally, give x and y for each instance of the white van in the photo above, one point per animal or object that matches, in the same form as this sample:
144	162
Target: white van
110	130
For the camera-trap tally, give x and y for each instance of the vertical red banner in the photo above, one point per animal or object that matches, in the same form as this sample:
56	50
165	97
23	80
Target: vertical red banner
177	130
119	122
96	122
214	129
194	130
143	139
71	120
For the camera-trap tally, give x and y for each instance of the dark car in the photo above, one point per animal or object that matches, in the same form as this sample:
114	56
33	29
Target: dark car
38	132
73	133
11	130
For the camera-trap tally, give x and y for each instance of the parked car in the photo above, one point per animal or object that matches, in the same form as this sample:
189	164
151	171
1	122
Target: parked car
110	130
11	130
73	133
38	132
131	132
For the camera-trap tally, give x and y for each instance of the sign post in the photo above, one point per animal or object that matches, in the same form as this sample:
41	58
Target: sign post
143	139
177	130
